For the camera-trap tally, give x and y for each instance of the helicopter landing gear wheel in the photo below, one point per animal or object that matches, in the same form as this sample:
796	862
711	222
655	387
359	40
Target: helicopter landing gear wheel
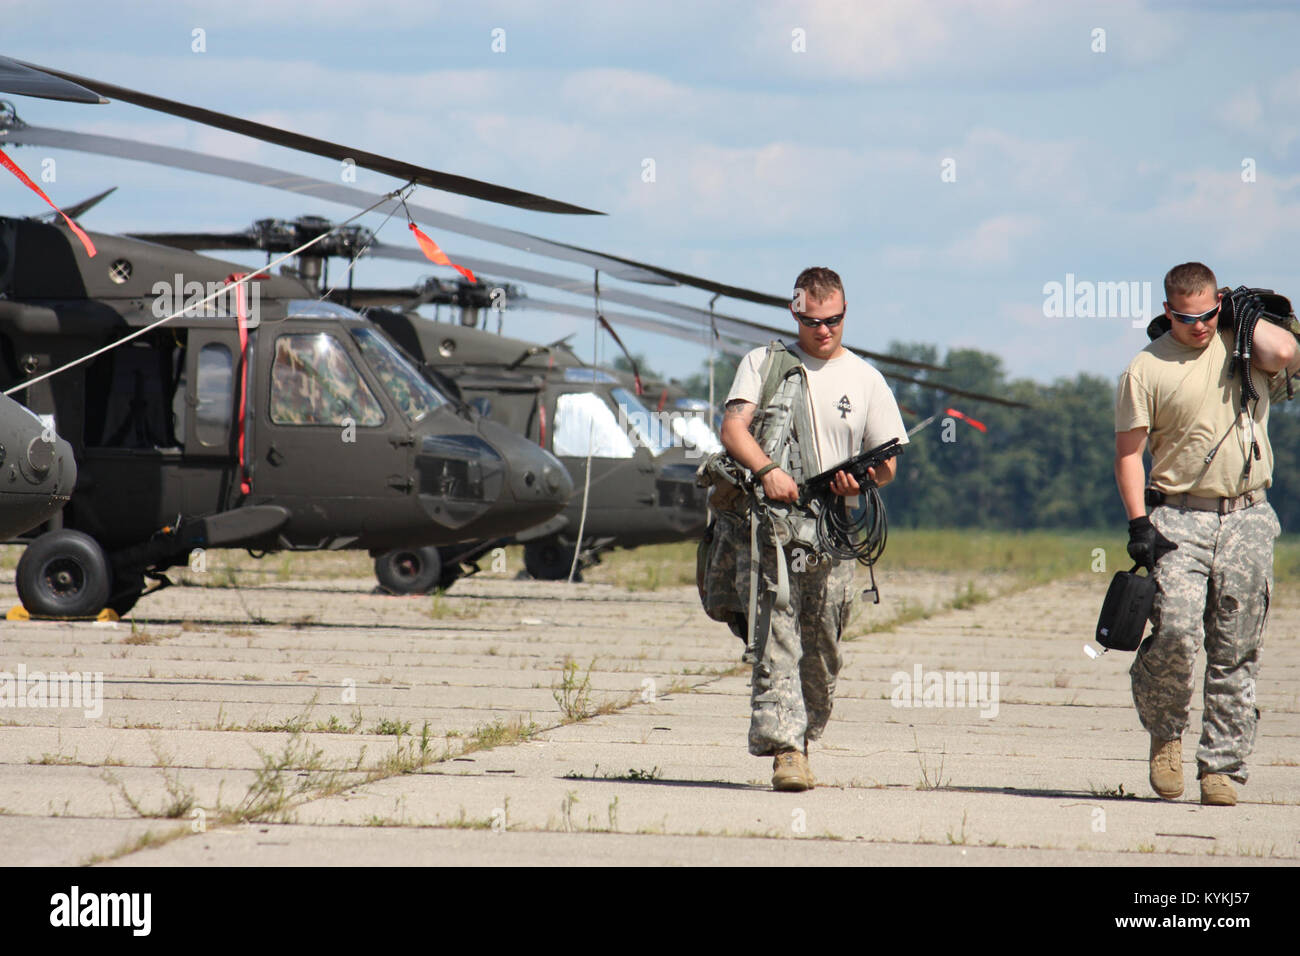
409	570
550	560
63	574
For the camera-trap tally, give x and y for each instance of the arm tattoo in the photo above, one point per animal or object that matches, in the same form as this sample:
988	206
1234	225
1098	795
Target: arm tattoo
738	408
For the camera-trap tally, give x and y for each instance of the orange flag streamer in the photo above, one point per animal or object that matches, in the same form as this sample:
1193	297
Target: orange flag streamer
966	418
10	165
434	253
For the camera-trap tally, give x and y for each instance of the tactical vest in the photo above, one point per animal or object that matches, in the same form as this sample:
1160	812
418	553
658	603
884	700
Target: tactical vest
782	424
783	428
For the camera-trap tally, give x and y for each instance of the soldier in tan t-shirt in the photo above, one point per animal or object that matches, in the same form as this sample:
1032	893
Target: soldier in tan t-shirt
1209	538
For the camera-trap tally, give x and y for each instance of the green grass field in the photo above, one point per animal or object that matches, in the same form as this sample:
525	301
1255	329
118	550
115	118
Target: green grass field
1033	556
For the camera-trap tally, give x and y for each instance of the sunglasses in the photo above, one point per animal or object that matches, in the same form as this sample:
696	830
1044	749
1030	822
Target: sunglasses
830	322
1186	319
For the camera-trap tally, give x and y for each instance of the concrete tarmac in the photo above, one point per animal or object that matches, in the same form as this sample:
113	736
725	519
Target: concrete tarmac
288	722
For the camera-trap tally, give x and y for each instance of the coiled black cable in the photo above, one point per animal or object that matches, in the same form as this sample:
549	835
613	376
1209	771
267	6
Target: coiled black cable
860	536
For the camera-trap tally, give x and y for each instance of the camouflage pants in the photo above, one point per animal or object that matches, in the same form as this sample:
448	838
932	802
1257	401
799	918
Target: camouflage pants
1214	590
794	679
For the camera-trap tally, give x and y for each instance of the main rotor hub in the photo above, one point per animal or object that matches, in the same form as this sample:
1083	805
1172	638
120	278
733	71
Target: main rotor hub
285	235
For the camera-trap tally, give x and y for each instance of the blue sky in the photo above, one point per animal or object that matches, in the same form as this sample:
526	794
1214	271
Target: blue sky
1109	165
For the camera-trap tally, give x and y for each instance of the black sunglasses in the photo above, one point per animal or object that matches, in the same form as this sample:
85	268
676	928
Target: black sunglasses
830	322
1187	319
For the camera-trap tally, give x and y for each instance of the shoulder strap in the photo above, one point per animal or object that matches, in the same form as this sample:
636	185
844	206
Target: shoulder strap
777	364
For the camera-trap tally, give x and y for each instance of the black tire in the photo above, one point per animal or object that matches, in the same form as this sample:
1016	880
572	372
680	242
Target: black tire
549	560
63	574
409	570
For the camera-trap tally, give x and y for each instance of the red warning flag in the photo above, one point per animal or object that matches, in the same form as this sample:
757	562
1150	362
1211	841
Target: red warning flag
966	418
434	253
10	165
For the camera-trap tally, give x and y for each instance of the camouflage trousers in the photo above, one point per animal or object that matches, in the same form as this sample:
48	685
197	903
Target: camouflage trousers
794	678
1213	590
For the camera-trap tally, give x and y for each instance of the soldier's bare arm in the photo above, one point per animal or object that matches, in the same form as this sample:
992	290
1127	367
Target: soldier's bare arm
1274	348
741	446
1130	474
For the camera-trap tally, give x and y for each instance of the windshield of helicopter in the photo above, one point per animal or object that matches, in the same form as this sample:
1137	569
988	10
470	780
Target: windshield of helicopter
410	391
645	425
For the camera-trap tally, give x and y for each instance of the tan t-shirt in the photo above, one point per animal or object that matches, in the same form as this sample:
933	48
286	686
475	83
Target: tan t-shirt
852	406
1189	404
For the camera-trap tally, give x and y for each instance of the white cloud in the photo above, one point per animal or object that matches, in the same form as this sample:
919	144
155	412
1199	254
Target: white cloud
994	243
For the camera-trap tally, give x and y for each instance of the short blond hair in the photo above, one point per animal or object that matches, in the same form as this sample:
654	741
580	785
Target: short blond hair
1189	279
818	283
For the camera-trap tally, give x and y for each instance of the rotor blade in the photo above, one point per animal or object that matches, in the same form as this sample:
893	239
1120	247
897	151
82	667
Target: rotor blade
626	269
403	300
643	323
77	210
741	328
874	356
447	182
195	241
708	285
21	79
668	328
22	135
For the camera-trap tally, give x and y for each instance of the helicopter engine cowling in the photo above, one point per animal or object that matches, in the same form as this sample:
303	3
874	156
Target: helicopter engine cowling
37	470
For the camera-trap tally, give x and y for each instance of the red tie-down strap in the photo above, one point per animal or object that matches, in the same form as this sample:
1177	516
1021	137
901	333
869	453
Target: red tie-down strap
433	252
636	372
241	320
23	178
541	420
966	418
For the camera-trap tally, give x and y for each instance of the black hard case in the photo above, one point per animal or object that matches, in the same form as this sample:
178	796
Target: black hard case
1125	611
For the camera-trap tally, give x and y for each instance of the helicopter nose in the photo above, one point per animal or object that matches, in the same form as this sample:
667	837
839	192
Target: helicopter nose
37	471
538	477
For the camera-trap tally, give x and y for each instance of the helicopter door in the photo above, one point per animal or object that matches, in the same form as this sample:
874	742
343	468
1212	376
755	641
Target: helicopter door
326	445
205	409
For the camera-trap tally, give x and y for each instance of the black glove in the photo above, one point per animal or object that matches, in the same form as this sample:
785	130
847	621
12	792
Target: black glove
1146	545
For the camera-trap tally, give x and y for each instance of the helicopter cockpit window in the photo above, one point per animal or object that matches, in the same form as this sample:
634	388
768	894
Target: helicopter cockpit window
313	382
215	395
637	417
410	391
584	420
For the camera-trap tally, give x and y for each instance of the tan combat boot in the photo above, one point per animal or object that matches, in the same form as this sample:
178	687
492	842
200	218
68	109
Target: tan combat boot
790	771
807	766
1167	767
1217	791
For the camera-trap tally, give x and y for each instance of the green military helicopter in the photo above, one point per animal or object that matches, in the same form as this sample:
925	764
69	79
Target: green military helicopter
253	416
